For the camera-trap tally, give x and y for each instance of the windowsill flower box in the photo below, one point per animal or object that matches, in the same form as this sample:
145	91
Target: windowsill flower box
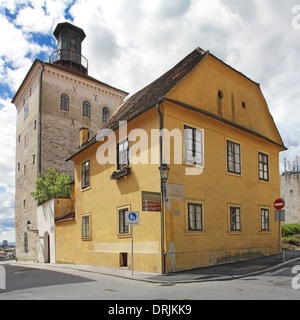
120	173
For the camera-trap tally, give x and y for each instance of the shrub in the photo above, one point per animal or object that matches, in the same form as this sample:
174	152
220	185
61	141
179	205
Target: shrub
291	229
291	240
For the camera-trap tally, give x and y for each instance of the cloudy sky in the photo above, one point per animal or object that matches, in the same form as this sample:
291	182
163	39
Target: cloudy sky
131	43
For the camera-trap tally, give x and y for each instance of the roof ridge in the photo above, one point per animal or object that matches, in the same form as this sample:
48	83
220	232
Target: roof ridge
157	89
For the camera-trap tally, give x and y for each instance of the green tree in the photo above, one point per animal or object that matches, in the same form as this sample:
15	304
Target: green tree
52	185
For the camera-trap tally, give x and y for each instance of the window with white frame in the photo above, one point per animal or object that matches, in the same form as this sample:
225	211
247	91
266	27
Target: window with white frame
86	226
235	218
233	157
263	166
265	219
193	145
123	228
85	174
123	154
195	217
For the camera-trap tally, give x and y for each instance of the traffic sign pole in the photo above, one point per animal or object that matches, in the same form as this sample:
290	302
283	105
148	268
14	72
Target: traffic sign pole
132	250
279	204
132	218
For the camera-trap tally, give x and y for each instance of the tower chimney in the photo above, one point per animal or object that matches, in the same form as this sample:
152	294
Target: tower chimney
84	136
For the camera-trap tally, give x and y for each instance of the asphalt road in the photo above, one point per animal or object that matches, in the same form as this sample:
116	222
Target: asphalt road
25	283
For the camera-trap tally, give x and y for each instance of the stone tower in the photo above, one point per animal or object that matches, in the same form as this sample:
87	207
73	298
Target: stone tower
55	100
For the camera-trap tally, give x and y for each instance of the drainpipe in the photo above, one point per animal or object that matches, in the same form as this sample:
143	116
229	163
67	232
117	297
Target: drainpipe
40	121
162	216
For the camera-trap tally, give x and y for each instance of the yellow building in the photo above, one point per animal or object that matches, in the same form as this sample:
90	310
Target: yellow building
222	149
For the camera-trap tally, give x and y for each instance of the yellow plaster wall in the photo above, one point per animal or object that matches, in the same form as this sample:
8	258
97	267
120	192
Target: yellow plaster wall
215	188
102	201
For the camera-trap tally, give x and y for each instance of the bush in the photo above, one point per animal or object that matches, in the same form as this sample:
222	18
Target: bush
291	240
291	229
52	185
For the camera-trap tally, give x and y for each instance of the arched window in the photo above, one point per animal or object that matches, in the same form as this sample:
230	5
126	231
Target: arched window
64	102
25	242
105	114
86	109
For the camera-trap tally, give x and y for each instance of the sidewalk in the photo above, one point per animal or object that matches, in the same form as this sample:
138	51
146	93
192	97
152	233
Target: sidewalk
213	273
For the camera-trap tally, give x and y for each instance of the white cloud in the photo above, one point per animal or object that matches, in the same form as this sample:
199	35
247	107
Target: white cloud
7	169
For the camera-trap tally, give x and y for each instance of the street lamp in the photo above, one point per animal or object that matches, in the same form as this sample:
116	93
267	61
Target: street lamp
164	173
29	226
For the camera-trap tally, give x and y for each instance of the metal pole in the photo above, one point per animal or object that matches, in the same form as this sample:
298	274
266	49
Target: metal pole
293	252
132	250
279	246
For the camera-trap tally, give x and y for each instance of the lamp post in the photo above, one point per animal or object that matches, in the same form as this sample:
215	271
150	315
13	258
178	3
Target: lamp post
29	226
164	173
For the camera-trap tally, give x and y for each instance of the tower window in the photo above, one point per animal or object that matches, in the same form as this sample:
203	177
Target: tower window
86	109
25	242
64	102
105	114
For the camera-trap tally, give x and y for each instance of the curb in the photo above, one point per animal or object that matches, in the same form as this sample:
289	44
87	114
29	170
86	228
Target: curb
169	281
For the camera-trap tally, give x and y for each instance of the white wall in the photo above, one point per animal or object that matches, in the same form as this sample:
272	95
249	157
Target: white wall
45	218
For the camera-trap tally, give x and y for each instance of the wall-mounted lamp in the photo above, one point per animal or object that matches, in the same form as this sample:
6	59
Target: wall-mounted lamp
164	172
29	226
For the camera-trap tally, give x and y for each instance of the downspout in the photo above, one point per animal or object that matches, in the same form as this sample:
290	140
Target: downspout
162	216
40	121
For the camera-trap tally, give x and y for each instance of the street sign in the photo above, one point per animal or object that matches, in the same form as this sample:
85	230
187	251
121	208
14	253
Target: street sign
279	204
151	201
132	218
280	215
151	205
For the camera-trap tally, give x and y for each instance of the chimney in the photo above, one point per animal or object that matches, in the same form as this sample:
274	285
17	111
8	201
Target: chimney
84	136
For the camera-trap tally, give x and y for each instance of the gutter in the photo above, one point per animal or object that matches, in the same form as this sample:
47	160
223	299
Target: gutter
162	215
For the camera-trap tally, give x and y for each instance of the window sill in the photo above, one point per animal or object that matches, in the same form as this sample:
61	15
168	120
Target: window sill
124	235
235	233
85	189
238	175
263	181
264	231
195	233
86	238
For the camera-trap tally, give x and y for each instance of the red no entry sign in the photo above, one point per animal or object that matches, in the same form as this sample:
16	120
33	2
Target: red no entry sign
279	204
